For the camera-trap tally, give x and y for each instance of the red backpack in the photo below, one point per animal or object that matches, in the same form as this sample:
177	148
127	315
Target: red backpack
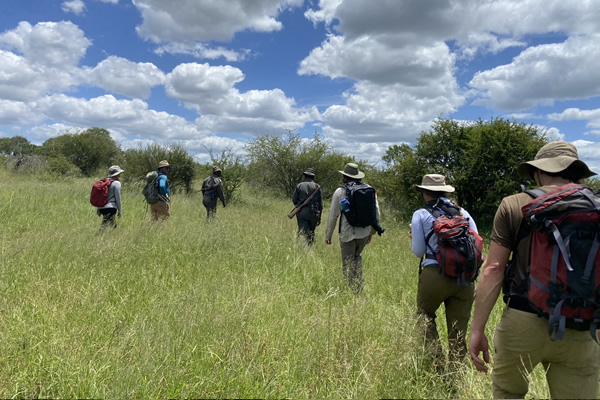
99	195
564	261
460	248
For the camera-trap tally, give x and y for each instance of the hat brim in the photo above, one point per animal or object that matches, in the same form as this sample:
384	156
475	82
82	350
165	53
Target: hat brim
555	165
444	188
360	174
116	173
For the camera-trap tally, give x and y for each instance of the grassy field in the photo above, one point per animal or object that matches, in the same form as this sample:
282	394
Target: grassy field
182	309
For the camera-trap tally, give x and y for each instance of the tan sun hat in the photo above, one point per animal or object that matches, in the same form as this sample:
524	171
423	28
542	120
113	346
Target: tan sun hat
351	170
309	172
216	169
435	183
556	157
114	171
163	163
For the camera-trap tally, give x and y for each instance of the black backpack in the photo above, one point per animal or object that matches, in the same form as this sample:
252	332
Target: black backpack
363	210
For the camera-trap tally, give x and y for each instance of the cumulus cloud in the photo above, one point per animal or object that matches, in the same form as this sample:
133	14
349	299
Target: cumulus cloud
219	20
119	75
210	90
591	116
531	78
131	116
50	44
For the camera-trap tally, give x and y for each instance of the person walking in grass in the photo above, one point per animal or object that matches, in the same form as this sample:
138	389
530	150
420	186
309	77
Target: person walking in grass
353	238
434	287
113	207
161	210
212	190
309	216
521	339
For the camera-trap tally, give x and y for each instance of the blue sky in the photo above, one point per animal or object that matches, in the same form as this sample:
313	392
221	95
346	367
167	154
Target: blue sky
365	74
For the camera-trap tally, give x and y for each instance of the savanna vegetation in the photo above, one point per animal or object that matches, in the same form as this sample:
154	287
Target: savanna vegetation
182	309
238	308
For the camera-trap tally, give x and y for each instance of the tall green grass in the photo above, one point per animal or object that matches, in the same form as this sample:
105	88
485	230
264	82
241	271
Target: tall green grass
185	309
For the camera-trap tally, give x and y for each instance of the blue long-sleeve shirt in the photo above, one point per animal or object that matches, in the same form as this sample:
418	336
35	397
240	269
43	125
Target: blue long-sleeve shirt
421	225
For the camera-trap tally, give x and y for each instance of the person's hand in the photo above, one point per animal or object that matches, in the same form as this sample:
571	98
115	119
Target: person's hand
410	234
119	215
98	213
223	205
369	239
479	344
327	241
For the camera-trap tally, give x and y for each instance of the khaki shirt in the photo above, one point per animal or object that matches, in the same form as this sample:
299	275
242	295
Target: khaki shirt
505	232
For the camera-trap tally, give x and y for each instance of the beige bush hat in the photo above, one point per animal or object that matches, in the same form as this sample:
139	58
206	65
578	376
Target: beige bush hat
351	170
216	169
163	163
309	172
435	183
555	157
114	171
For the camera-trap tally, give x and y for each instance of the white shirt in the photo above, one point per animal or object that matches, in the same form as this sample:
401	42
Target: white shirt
348	231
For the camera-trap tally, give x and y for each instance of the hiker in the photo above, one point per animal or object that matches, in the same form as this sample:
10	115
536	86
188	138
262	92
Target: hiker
161	210
212	189
353	239
437	285
113	199
309	216
522	338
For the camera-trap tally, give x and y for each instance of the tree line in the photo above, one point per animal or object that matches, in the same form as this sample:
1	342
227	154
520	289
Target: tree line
478	158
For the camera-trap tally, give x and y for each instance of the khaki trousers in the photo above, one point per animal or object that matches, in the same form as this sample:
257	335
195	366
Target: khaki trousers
434	290
521	342
160	210
352	262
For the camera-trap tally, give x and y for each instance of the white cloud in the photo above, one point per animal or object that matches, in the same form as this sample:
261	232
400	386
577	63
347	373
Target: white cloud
75	6
591	116
16	113
543	74
210	91
203	51
130	116
589	152
50	44
119	75
207	20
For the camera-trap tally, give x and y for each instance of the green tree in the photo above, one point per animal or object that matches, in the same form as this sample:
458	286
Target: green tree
278	162
138	162
88	150
233	171
478	158
17	146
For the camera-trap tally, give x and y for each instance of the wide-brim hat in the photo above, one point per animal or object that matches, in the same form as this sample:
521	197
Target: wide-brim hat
556	157
351	170
309	172
163	163
216	169
114	171
435	183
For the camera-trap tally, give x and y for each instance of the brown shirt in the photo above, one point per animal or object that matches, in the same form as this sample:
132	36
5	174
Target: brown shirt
505	232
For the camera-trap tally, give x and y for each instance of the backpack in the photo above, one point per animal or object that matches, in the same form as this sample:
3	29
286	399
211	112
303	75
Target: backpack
363	209
564	261
460	248
150	191
99	194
